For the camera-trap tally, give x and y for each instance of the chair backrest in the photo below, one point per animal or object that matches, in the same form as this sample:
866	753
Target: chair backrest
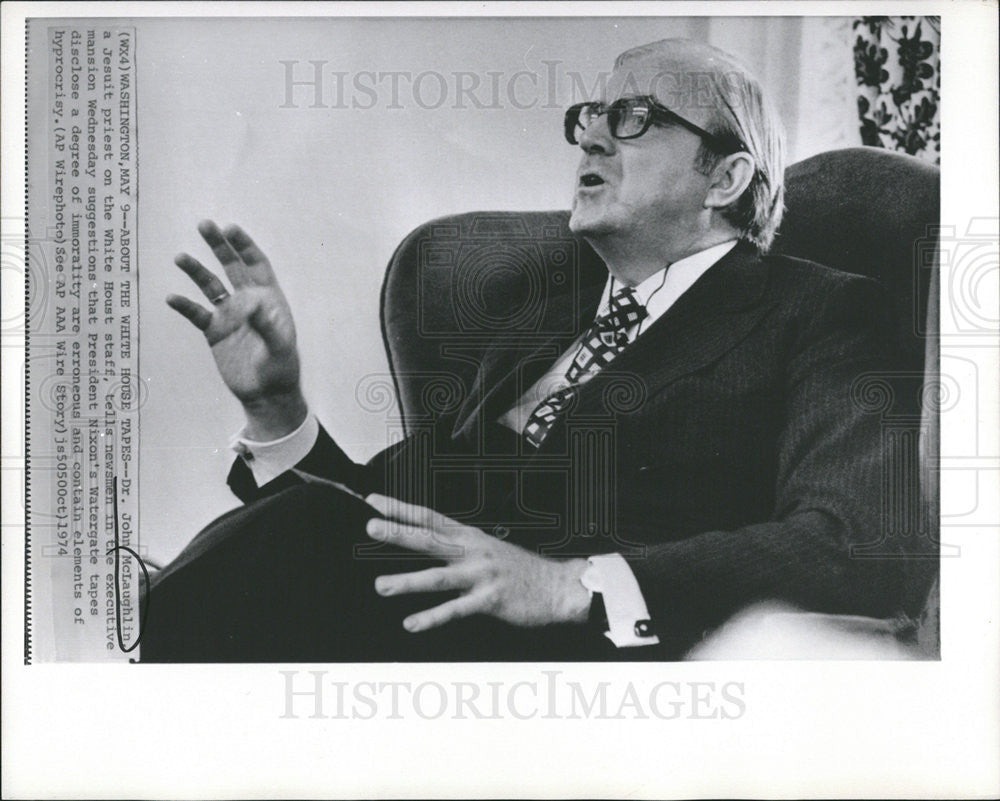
871	212
457	281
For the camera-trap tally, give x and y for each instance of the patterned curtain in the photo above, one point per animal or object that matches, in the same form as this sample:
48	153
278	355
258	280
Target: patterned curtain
897	67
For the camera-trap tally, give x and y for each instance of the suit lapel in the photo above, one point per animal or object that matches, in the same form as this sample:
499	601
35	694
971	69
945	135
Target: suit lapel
511	365
711	318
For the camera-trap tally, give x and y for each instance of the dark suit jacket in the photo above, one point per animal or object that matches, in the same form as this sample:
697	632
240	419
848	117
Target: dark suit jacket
725	452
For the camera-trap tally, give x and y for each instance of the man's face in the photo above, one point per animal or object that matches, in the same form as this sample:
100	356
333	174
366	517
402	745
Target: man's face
644	189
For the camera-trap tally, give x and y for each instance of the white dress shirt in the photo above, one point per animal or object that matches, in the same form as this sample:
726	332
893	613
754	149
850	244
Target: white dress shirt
608	574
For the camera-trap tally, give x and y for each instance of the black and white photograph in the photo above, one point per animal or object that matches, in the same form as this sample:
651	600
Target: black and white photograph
390	373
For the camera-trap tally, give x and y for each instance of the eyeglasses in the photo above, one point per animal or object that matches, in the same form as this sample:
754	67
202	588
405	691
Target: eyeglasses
630	118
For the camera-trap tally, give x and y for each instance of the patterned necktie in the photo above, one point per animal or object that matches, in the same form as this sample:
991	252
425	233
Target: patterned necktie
604	340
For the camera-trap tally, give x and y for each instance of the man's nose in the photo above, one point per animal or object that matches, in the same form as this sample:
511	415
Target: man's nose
596	137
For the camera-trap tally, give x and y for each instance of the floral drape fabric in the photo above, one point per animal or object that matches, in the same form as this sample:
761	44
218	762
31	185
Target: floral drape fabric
897	67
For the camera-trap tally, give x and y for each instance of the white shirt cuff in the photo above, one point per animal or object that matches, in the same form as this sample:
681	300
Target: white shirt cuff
268	460
628	618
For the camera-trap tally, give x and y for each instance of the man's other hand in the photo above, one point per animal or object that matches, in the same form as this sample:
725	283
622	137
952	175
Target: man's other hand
495	577
250	331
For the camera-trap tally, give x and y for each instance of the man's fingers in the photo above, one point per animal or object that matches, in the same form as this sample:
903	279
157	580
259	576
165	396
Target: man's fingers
208	282
411	513
224	252
435	579
199	315
414	538
450	610
252	256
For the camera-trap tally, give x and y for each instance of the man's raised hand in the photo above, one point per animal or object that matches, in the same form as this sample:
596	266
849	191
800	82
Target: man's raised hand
249	329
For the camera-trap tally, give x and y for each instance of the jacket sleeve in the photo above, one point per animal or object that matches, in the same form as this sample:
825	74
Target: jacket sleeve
328	461
325	460
828	494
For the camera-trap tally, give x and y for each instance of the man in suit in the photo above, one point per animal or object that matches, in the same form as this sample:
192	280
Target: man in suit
690	448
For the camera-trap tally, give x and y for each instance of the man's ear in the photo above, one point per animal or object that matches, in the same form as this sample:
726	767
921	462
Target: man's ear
730	178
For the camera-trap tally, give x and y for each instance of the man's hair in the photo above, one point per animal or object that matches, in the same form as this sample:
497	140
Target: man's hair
741	112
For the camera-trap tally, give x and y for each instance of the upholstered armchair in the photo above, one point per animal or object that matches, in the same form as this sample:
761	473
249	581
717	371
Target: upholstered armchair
455	281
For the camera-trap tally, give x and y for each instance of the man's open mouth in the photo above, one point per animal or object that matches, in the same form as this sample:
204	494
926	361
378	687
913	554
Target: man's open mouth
591	179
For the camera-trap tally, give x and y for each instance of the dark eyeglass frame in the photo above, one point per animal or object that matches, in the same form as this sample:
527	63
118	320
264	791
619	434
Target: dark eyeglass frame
657	112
